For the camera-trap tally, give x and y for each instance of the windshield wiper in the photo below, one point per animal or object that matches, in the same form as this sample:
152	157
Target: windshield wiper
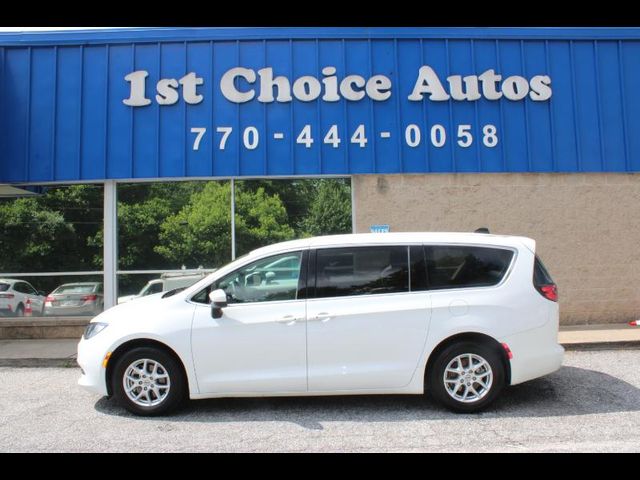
172	292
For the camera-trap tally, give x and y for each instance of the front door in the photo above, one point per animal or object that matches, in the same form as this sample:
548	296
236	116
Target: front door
259	343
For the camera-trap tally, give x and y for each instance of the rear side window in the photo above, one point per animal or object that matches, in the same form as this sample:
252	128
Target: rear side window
361	271
452	266
21	287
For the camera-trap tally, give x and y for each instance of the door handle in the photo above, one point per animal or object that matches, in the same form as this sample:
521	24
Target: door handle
288	320
323	317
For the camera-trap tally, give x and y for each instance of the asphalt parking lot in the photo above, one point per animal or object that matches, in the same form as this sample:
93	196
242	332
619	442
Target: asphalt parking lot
591	404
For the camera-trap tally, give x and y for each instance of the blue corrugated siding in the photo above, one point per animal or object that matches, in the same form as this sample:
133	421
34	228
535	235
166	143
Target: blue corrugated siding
62	117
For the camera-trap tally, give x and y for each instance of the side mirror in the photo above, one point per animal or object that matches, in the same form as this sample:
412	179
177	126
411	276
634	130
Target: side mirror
218	302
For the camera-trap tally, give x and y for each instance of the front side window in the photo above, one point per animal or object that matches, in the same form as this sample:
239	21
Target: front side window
452	266
269	279
361	271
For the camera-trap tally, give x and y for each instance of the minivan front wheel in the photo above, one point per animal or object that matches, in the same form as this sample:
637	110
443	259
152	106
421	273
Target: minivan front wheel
466	377
148	381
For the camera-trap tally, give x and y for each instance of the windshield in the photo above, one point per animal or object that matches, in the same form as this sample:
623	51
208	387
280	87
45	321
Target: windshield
75	288
150	289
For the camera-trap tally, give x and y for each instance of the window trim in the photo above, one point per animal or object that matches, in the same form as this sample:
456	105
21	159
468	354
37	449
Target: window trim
311	269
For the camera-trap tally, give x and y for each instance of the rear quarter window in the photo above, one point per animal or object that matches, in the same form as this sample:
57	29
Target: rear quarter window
454	266
541	274
4	287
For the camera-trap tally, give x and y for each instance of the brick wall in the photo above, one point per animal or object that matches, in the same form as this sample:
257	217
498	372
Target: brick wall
587	226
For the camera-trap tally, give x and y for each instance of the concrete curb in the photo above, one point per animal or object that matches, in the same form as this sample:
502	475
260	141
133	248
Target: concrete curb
39	362
625	345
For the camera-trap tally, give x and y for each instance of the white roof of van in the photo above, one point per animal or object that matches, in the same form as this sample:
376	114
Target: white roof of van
400	237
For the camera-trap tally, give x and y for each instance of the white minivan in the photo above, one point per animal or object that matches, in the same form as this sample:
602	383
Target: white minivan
459	315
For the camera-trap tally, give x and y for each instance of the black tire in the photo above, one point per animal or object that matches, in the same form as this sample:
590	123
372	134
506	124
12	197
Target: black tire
436	383
178	385
19	311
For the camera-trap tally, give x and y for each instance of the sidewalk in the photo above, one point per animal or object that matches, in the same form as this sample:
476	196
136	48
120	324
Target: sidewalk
61	352
50	352
602	337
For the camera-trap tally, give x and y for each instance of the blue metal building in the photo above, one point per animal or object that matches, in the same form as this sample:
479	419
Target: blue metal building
527	112
63	115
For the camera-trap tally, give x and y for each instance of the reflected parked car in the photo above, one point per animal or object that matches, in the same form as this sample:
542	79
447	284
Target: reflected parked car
14	295
75	299
167	281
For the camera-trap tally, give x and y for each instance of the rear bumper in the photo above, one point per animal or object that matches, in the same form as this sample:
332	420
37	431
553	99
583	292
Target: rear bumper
84	310
535	366
535	354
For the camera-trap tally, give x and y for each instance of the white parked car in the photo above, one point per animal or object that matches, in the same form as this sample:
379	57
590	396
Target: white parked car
460	315
14	295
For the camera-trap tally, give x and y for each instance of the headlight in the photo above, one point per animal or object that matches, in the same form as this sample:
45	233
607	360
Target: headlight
93	329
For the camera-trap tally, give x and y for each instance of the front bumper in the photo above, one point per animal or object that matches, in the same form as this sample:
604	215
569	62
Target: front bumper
90	358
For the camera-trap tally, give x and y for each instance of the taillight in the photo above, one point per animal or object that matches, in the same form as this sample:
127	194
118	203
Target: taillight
90	298
7	295
550	292
49	299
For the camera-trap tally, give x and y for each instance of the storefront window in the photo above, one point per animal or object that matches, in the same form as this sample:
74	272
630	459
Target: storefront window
171	234
47	241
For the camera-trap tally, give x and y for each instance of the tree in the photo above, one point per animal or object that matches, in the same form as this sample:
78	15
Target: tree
200	234
296	196
330	210
32	239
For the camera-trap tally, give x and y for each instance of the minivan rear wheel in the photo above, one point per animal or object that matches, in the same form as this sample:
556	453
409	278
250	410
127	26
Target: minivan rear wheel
148	381
466	377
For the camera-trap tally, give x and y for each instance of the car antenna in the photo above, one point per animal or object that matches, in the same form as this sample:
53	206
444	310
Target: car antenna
481	230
